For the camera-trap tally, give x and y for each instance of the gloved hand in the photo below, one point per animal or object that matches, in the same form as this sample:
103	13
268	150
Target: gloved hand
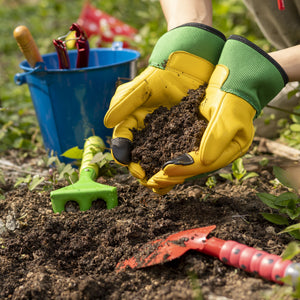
183	58
244	81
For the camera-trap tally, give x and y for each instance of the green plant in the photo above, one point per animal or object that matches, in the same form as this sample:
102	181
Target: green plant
286	205
196	287
60	171
57	171
290	133
239	173
31	181
290	128
102	159
211	182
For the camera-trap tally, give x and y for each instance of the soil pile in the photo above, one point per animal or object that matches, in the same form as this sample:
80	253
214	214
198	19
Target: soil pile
169	133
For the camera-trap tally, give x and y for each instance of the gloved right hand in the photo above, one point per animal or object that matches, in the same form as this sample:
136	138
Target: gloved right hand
183	59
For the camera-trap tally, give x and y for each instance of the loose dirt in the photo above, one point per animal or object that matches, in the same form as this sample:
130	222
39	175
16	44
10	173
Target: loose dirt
169	133
73	255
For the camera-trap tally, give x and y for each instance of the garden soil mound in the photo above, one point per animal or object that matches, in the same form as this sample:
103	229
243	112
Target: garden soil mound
73	255
169	133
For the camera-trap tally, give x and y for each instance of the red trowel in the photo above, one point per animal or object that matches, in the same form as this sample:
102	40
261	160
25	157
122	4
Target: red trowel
268	266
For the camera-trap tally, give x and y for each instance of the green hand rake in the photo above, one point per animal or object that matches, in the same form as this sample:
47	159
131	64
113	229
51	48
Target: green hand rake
86	190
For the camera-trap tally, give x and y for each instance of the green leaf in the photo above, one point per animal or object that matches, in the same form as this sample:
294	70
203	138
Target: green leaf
276	219
293	212
65	172
295	127
291	250
249	175
291	228
286	198
36	180
227	176
211	182
268	199
238	169
108	156
295	234
280	174
21	180
264	162
98	157
73	153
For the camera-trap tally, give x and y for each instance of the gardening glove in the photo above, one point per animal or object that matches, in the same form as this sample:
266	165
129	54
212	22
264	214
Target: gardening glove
183	58
244	81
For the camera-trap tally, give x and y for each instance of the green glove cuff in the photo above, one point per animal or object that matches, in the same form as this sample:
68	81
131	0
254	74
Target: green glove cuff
198	39
253	74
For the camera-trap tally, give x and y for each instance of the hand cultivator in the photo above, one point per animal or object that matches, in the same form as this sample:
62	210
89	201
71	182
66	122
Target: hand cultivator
86	190
82	46
269	266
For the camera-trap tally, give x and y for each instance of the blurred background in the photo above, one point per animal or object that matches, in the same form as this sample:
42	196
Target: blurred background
49	19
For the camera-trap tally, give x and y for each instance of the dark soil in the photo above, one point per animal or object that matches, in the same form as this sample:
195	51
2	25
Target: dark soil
73	255
169	133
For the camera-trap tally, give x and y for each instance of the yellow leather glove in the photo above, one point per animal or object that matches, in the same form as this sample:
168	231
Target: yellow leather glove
183	58
244	81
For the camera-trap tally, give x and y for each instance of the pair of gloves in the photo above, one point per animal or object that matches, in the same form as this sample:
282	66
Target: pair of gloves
241	79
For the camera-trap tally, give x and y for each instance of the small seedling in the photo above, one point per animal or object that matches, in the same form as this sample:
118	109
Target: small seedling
211	182
31	181
239	173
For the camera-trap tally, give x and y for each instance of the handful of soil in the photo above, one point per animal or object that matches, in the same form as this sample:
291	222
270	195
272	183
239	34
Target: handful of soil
169	133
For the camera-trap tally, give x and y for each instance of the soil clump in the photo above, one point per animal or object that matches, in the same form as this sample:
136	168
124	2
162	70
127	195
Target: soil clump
169	133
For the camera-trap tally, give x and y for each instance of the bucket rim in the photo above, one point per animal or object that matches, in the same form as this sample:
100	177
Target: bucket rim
25	66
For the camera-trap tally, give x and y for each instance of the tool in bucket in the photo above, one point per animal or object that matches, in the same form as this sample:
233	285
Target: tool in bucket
86	190
27	45
82	46
268	266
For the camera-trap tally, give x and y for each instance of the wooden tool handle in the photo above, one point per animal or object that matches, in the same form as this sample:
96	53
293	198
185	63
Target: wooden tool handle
27	45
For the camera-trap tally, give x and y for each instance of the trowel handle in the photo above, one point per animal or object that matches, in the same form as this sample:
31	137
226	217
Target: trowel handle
27	45
92	146
269	266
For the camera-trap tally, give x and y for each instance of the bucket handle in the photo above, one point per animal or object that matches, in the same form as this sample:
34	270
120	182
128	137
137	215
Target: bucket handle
20	78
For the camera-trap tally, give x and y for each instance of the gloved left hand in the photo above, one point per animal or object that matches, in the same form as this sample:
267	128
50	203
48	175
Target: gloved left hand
244	81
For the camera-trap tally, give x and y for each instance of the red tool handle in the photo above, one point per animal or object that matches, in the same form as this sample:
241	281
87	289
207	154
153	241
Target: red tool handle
62	54
281	4
268	266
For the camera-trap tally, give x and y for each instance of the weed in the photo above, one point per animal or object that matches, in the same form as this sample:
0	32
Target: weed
211	182
286	205
239	173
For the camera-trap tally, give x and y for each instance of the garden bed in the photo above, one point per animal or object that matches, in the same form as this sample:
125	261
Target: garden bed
73	255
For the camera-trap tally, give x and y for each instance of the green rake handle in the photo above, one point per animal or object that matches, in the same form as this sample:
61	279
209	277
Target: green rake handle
92	146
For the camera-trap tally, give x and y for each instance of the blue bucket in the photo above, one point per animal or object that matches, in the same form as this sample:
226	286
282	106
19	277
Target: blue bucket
71	104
